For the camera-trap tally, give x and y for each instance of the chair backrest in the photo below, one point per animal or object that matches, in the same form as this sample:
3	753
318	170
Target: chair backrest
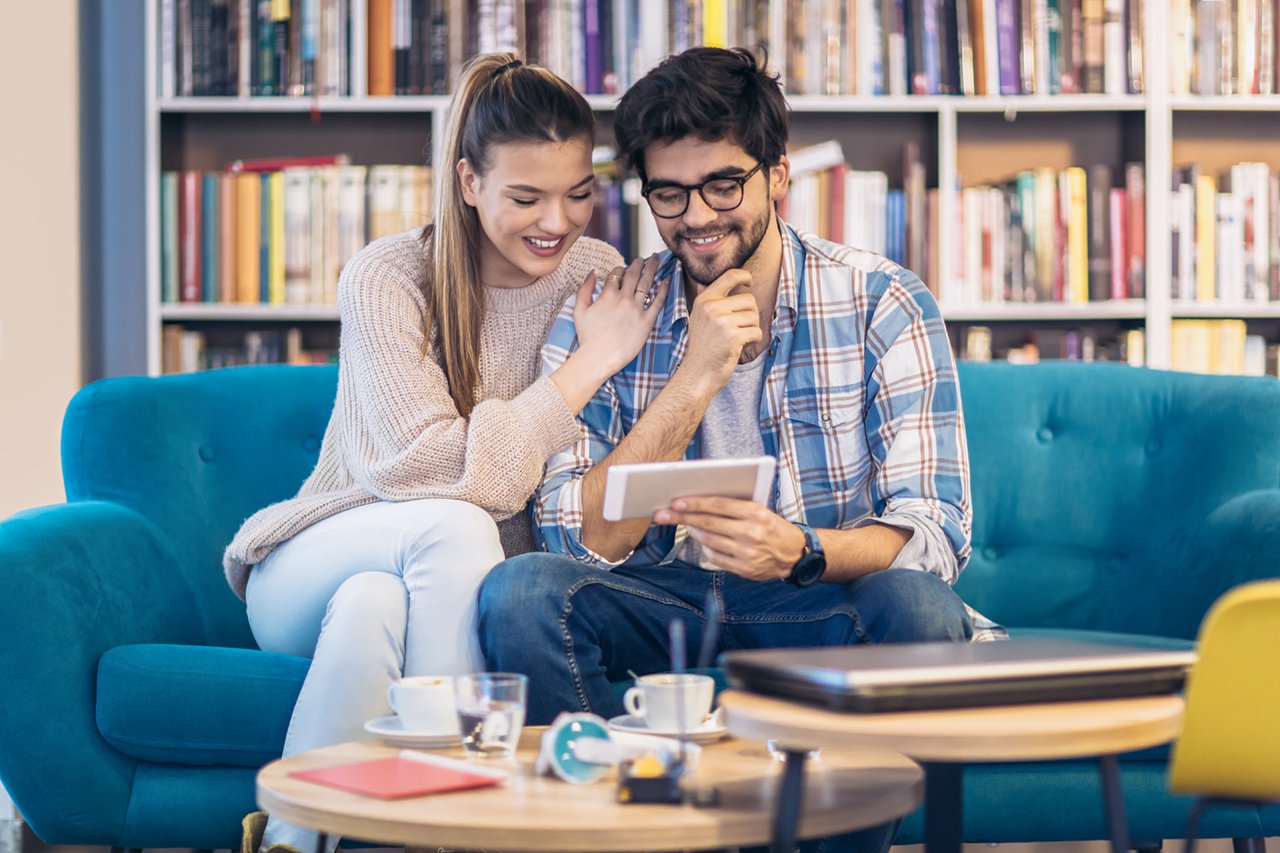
1090	482
197	454
1230	741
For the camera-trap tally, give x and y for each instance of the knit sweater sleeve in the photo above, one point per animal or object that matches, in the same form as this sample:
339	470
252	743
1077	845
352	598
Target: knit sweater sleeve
402	436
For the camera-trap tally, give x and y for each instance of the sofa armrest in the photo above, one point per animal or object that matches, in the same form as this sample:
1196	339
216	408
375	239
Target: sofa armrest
1239	542
77	579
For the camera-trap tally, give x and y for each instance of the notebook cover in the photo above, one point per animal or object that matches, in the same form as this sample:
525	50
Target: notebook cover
396	778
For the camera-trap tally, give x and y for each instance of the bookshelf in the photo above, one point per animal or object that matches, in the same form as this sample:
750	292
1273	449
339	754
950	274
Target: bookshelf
962	140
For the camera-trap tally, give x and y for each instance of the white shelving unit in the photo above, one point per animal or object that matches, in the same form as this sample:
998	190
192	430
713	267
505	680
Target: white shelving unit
946	127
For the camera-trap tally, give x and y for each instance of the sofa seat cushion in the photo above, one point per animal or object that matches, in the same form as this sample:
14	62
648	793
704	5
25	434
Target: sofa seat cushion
197	705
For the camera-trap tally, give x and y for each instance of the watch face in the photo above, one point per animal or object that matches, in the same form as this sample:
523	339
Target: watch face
808	569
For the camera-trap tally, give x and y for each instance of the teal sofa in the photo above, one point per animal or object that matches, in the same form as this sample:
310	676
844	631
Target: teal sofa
137	709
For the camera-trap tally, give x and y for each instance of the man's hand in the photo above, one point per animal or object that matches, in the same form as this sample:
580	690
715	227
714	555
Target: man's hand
720	325
742	537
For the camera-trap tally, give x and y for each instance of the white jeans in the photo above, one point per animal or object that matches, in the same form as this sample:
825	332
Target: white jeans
370	594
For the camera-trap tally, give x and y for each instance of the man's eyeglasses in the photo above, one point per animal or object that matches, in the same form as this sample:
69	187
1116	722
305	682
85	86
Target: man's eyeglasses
669	201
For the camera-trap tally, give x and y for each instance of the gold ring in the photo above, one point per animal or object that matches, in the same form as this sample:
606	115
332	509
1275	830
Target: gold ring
616	279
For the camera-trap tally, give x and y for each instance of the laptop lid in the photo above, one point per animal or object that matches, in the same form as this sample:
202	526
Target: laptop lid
921	676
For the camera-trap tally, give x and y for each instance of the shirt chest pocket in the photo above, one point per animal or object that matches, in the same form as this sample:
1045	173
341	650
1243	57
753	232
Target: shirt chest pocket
826	427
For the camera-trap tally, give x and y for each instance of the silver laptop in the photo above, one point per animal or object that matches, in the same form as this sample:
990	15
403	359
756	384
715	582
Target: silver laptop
921	676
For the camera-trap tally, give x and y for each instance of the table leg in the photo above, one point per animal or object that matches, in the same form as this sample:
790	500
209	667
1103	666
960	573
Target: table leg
1113	804
943	807
790	796
322	841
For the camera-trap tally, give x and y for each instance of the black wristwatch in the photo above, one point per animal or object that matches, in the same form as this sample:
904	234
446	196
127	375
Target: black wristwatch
812	564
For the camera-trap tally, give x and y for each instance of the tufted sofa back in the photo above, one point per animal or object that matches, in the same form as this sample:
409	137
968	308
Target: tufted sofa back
1086	479
197	454
1092	484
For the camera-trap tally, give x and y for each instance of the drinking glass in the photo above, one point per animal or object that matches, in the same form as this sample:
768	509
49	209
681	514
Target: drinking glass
490	712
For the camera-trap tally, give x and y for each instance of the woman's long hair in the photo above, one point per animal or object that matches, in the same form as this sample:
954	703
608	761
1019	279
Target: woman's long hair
498	100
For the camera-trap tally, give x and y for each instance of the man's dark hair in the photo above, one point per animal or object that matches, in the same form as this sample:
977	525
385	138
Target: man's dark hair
708	92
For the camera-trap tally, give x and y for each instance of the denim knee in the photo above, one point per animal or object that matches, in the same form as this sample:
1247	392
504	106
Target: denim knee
910	606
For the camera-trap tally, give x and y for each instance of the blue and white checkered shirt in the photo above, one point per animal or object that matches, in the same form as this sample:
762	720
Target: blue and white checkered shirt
861	408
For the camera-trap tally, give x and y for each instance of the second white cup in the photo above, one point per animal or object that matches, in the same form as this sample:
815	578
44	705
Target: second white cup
670	701
424	704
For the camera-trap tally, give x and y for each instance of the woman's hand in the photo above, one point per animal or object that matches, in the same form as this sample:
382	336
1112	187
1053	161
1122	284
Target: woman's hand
614	326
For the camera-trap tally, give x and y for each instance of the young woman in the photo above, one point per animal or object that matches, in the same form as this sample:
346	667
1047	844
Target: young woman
443	419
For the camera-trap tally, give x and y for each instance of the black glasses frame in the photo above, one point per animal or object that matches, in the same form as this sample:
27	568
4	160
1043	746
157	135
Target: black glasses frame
740	180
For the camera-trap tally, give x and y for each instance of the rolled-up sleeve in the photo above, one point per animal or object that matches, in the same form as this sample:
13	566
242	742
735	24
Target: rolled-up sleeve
915	431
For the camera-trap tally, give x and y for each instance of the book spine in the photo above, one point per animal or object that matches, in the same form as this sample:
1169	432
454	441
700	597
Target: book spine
1137	67
210	223
189	236
297	237
1007	46
1101	231
1136	229
248	237
1094	47
264	237
1273	235
169	237
1115	41
1078	235
227	237
1053	26
381	59
276	238
1206	223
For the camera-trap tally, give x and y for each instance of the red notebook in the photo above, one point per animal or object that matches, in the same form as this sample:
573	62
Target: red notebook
396	778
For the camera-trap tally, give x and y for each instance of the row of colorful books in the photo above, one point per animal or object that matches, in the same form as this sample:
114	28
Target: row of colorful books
964	47
1226	234
269	233
1196	346
186	350
1019	346
1073	236
828	47
278	231
255	47
1223	347
858	208
1223	47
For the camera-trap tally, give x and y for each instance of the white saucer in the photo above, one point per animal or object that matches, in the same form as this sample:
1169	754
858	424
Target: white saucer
708	732
392	730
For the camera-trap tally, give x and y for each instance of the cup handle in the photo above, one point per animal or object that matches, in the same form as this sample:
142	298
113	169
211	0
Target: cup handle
633	700
391	698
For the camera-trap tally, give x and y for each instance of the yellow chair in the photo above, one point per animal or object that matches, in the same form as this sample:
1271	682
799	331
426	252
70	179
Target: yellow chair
1229	749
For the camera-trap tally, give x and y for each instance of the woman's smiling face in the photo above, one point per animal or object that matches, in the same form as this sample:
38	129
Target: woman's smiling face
534	202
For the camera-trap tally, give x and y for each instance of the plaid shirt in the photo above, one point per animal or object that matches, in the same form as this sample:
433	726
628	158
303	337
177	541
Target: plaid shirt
861	408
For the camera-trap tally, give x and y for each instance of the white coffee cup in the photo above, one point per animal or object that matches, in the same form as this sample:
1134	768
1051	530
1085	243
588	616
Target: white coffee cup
670	701
424	704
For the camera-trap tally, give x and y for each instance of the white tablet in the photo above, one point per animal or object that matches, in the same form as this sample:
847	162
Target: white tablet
640	490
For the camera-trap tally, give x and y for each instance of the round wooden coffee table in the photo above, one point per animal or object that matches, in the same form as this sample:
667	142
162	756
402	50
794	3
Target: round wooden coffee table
844	791
943	740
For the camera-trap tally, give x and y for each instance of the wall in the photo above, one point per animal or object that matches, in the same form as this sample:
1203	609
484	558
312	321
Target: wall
40	306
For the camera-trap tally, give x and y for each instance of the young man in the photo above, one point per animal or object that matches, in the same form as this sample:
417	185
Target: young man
831	359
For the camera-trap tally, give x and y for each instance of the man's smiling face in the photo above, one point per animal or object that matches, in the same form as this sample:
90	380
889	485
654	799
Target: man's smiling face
709	242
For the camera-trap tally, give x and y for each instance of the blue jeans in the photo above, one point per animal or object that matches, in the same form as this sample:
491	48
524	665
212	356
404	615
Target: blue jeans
573	629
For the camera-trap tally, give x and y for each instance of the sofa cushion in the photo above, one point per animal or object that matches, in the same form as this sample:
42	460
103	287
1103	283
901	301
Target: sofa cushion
197	705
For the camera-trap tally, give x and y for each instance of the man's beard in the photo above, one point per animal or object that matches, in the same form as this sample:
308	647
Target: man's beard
700	270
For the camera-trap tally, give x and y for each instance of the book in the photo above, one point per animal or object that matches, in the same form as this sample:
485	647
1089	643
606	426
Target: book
400	777
275	164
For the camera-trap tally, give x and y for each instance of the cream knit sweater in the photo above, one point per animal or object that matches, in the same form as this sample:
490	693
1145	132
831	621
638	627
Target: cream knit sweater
395	433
